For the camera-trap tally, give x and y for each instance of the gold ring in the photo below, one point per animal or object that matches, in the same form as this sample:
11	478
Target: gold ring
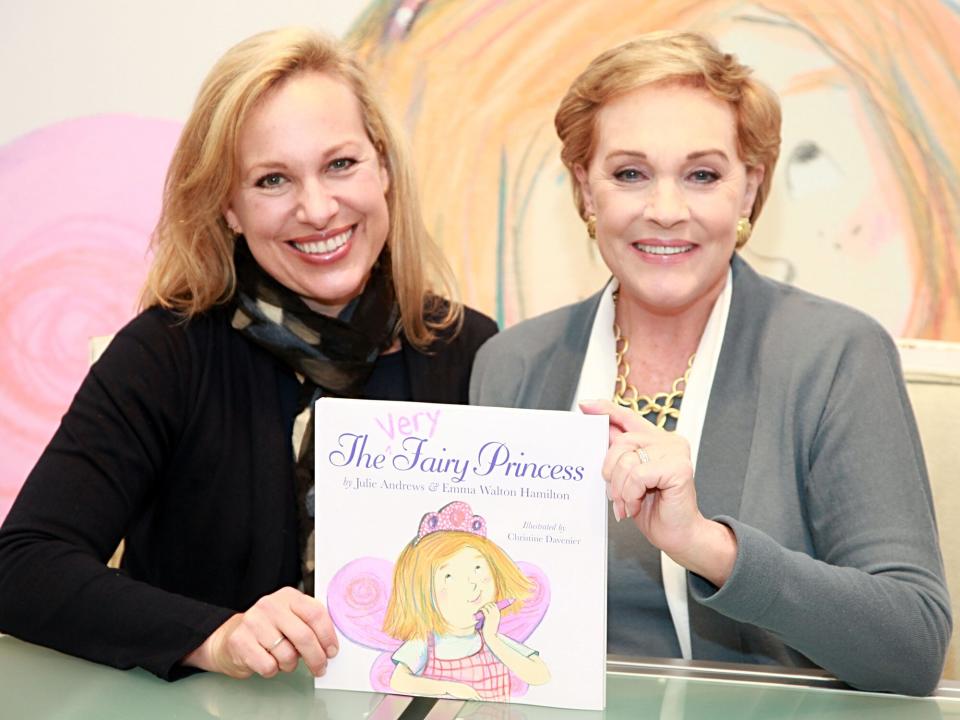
276	643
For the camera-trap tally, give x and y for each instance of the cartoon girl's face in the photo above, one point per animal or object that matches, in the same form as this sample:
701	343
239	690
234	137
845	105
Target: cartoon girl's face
461	586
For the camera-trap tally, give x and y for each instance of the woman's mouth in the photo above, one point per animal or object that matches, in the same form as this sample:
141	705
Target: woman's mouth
325	246
663	249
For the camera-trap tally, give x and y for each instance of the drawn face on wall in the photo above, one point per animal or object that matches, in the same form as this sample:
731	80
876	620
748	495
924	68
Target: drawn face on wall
461	586
862	207
833	223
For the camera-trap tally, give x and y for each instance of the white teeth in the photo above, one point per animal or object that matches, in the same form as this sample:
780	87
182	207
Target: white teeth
325	246
663	249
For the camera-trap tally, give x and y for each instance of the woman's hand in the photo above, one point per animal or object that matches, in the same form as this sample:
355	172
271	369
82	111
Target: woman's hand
649	478
270	637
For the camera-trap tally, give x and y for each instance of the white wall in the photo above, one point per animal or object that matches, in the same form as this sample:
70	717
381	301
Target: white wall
69	58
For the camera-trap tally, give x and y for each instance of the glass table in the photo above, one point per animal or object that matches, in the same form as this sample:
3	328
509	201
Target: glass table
39	683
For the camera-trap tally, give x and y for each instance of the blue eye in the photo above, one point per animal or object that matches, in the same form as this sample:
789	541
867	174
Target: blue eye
342	163
271	180
628	175
704	177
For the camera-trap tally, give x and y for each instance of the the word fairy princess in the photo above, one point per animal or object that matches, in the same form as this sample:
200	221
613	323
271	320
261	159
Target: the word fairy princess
450	586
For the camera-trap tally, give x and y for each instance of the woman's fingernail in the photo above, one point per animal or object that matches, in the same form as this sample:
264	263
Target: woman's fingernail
616	512
332	651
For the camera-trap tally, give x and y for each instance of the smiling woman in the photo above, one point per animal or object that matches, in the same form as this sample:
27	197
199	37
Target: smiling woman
290	263
762	444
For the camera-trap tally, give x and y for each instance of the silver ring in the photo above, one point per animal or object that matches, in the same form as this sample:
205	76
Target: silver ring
275	643
642	454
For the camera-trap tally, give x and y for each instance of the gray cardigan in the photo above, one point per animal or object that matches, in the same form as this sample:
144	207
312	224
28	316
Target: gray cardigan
810	453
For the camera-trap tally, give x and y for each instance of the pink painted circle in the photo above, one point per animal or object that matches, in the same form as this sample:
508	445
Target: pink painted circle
78	201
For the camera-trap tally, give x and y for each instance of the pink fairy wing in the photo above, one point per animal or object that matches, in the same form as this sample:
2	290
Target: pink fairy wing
381	672
357	599
520	625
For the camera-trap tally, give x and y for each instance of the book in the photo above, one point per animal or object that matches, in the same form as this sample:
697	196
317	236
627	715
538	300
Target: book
462	551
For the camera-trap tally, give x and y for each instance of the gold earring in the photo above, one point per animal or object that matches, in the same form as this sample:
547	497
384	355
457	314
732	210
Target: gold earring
744	228
592	226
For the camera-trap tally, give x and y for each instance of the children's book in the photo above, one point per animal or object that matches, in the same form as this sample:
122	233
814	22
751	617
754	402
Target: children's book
462	551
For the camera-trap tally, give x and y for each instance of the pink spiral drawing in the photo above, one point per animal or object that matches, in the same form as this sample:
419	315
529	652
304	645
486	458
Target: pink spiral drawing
78	201
364	592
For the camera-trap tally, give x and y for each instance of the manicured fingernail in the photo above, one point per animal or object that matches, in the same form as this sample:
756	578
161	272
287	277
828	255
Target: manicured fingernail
332	651
616	512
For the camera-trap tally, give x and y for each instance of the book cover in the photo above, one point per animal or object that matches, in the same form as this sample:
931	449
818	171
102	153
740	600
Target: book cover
461	551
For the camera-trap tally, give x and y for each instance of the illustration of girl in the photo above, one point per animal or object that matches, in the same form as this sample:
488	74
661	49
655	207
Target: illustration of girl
450	587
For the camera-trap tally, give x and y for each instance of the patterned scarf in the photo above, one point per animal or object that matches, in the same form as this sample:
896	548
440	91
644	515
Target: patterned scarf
333	355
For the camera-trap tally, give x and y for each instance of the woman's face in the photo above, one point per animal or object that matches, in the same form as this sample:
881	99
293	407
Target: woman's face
311	192
461	586
667	187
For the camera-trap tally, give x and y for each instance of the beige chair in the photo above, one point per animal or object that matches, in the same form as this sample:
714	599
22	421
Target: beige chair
932	372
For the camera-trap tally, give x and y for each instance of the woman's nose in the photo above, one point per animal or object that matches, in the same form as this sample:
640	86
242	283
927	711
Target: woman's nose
316	205
666	204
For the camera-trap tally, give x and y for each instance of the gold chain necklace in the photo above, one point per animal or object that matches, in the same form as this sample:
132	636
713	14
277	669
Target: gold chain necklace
662	405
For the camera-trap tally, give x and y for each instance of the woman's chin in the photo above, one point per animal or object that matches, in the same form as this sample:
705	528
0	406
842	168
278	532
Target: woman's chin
330	296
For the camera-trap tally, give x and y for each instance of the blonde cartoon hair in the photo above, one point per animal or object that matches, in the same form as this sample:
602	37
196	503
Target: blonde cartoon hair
412	612
193	269
669	57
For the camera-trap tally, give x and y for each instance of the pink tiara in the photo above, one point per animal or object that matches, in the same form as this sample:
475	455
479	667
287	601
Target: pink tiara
453	516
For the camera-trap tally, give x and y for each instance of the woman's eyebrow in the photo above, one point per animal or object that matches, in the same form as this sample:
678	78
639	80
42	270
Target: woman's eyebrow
701	153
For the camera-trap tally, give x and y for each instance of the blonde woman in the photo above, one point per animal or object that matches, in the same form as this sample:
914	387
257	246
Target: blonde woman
290	262
769	499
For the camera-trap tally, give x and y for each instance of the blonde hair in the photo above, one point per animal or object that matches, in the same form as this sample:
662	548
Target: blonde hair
193	268
412	613
669	57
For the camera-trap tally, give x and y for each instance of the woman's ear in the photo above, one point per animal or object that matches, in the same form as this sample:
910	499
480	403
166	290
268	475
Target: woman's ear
381	150
754	181
233	222
580	173
384	177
